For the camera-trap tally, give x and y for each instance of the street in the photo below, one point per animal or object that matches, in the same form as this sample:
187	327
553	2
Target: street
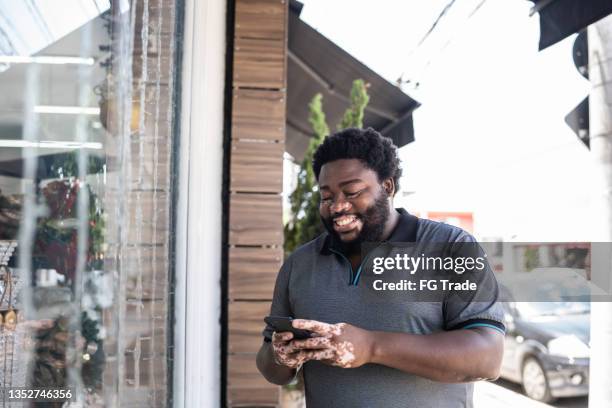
505	394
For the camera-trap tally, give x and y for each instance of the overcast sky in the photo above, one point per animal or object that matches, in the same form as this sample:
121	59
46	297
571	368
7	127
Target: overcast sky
490	135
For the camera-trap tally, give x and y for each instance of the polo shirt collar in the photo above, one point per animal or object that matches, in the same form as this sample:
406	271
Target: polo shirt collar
404	231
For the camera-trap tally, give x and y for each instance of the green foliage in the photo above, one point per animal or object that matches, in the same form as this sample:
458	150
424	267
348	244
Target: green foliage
317	121
353	117
66	165
305	223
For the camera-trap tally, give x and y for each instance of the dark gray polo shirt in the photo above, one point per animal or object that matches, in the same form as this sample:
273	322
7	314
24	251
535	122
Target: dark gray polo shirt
317	282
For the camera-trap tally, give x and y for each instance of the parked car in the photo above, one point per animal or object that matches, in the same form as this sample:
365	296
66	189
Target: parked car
547	344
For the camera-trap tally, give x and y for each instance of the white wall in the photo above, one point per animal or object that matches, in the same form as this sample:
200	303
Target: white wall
198	268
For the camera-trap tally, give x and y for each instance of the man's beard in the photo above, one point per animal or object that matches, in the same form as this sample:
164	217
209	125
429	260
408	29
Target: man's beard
373	222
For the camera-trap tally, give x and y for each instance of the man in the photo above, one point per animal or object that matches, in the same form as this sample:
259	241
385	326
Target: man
376	348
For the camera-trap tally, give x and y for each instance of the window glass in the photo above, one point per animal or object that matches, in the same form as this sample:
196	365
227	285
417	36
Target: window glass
86	120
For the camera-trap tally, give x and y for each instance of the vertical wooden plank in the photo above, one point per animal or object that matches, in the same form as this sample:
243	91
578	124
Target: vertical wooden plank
259	63
256	219
253	272
256	168
260	44
261	19
258	114
245	325
246	386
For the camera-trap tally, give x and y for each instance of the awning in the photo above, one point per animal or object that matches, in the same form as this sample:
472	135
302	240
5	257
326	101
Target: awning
561	18
315	64
578	119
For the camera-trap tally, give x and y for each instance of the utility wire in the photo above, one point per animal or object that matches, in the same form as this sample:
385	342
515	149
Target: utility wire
450	39
401	80
433	26
476	8
426	66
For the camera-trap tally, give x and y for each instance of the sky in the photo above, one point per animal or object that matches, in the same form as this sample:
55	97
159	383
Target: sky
490	134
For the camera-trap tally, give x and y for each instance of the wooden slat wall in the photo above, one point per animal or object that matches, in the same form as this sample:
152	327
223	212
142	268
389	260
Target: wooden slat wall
258	115
253	272
256	182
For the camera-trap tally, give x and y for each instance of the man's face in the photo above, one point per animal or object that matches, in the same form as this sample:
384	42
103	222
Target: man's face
354	206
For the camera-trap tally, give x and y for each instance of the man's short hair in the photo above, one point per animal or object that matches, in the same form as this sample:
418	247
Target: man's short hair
376	152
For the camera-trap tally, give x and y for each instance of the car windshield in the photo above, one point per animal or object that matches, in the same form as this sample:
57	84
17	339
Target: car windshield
534	309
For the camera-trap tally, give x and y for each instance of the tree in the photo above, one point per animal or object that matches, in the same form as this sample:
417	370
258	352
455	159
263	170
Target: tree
305	224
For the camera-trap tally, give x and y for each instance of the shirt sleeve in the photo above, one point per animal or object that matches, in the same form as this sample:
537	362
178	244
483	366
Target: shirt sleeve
280	300
477	308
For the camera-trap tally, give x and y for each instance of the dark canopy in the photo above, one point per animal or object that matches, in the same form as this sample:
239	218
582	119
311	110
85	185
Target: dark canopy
561	18
315	64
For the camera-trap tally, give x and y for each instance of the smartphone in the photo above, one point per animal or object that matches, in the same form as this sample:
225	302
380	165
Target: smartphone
283	324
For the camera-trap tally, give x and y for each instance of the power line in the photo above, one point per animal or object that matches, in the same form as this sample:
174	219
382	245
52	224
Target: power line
401	80
476	8
470	15
433	26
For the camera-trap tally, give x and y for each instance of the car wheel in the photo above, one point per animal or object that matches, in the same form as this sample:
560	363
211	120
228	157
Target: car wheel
534	381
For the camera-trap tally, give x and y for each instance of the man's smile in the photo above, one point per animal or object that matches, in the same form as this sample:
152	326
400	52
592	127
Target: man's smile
346	223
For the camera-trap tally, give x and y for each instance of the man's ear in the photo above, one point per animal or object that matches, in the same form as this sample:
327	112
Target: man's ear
389	187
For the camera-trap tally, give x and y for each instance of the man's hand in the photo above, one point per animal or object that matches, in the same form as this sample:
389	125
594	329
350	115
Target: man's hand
283	351
288	354
340	344
270	365
449	356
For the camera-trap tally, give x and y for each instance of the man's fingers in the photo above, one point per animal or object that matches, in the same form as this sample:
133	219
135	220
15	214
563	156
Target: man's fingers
313	325
282	336
289	361
325	354
311	343
284	348
296	359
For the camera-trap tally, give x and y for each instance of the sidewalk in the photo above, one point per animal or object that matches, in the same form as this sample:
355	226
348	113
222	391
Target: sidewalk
489	395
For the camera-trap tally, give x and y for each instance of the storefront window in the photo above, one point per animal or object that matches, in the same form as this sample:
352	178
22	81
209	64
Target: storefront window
86	142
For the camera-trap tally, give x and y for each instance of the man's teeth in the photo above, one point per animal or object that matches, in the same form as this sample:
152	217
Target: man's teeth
344	221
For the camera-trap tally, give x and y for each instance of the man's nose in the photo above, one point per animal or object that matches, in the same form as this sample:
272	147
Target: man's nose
340	205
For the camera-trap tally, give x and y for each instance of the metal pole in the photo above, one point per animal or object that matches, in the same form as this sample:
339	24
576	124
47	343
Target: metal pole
600	74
